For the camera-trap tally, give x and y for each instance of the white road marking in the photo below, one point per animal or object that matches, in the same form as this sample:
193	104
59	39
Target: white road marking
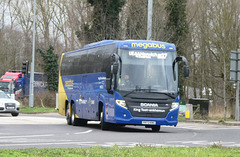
44	144
194	134
190	142
204	127
204	143
26	136
123	144
85	132
31	120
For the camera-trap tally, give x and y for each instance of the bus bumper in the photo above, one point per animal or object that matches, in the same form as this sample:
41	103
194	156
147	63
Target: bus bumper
127	119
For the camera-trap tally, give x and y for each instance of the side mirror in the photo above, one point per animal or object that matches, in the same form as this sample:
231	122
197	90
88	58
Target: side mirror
115	57
186	71
186	68
109	85
115	68
115	65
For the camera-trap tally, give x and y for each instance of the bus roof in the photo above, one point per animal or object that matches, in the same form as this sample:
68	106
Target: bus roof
132	44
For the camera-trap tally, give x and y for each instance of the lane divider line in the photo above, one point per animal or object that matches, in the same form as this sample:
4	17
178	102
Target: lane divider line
85	132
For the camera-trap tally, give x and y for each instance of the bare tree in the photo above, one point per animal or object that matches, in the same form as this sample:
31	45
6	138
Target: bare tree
215	32
23	13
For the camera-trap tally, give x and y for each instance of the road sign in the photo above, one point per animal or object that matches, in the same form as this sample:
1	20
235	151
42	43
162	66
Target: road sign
235	66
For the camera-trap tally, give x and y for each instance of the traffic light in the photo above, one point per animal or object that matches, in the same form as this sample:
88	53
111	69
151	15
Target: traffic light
25	67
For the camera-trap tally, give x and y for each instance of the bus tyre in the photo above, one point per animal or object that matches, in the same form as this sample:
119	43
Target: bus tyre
75	121
68	117
156	128
82	122
104	125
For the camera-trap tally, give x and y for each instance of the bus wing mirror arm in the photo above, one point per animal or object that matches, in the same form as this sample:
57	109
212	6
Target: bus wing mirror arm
186	68
115	68
109	85
186	71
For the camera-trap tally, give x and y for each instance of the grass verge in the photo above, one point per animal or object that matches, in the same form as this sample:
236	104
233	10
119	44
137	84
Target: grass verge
37	109
123	152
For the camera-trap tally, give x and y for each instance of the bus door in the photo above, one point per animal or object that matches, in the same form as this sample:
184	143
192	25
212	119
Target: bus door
110	108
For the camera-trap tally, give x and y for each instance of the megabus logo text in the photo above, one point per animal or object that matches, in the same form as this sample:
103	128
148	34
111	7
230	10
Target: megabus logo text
148	45
69	84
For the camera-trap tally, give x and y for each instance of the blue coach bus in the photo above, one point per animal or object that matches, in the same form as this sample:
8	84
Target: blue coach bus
131	82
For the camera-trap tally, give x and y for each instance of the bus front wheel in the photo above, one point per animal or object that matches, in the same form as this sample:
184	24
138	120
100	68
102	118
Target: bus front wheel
156	128
104	125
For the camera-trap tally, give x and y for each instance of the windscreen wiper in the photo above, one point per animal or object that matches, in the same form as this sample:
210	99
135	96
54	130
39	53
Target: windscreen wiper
130	92
136	89
146	89
168	94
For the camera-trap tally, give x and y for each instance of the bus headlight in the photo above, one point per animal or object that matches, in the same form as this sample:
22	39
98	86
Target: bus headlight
174	106
121	103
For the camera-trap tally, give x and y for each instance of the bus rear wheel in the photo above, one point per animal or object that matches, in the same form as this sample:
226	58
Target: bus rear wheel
156	128
68	117
73	118
82	122
77	121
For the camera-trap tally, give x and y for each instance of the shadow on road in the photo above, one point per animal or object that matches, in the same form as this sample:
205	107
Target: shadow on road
6	115
127	129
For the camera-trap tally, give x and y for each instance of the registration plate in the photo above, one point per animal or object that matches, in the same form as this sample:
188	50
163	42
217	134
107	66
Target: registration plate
10	108
149	122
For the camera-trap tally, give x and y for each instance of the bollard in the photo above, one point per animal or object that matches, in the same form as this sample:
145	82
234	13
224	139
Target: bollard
56	101
189	112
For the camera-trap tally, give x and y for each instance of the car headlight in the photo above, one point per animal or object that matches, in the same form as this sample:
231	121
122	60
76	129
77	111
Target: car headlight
1	104
17	104
121	103
174	106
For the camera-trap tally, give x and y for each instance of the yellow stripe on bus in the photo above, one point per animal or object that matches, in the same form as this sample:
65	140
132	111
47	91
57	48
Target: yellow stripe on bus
62	96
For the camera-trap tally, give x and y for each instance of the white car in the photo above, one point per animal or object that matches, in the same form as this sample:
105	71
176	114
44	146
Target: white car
8	105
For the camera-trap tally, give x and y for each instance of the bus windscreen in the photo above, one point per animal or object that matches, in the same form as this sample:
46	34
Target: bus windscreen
146	69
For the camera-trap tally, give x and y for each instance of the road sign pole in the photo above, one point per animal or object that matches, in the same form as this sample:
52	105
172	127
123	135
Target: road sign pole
237	90
237	103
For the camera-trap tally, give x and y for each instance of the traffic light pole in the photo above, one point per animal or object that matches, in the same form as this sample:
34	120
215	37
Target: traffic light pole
31	94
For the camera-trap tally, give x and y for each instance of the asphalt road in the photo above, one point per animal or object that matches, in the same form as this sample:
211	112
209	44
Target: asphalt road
51	131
